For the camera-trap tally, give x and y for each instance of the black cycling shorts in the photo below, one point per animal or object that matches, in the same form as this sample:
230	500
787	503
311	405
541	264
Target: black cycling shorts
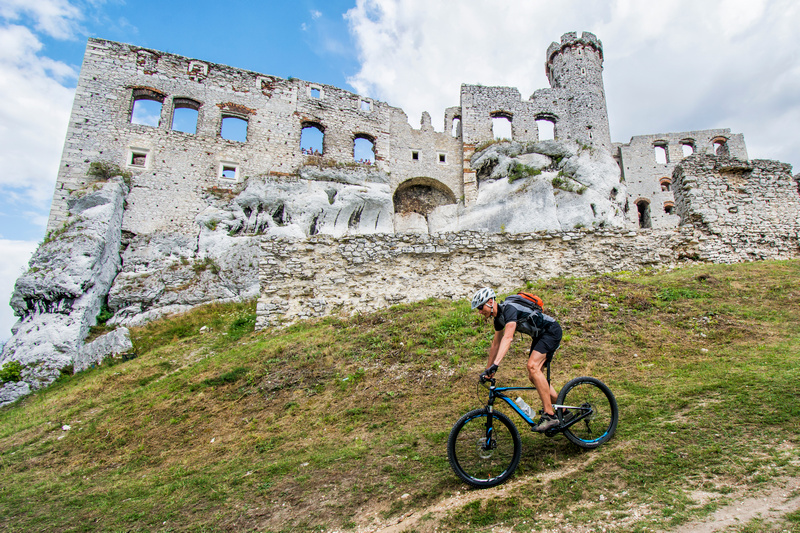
548	341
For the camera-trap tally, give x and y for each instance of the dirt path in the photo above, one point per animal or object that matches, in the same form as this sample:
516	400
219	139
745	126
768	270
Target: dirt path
409	520
769	506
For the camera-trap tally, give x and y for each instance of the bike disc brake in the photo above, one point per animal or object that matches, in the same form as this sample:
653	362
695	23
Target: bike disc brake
484	451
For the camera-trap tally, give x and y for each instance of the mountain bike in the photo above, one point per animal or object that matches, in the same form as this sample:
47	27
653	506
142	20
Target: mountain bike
484	446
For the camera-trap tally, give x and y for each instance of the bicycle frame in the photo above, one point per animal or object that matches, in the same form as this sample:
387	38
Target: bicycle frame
580	412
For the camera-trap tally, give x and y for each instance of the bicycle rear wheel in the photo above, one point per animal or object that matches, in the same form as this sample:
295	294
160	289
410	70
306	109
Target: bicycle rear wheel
479	461
594	401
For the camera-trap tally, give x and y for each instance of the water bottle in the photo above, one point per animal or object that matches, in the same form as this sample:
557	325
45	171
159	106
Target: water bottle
524	406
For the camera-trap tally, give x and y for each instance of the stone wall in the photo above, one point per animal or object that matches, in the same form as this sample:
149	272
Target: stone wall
744	210
649	181
730	211
322	275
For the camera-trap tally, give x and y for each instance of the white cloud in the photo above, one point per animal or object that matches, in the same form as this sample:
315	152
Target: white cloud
14	257
57	18
34	110
669	66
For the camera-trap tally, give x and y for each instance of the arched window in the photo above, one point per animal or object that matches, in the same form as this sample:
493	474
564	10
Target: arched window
184	115
662	156
547	128
456	129
234	128
364	149
146	109
643	208
720	145
312	139
501	126
669	208
666	184
687	146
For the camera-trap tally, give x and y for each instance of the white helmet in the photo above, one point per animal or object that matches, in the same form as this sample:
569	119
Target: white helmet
482	296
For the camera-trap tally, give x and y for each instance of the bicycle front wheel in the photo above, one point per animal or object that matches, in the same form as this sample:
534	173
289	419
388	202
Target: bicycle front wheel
592	400
480	455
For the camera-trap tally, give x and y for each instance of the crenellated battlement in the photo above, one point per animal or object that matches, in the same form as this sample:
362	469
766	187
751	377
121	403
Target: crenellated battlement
571	40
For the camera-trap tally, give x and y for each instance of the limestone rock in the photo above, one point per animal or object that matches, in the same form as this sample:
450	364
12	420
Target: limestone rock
170	273
13	391
114	342
62	292
545	186
334	201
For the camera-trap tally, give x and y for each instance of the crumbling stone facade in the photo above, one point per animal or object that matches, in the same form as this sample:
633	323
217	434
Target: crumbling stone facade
743	210
173	167
647	164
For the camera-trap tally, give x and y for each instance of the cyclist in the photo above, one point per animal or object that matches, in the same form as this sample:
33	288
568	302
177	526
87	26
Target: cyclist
510	317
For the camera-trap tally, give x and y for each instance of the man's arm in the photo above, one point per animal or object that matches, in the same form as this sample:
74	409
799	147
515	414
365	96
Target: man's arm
501	343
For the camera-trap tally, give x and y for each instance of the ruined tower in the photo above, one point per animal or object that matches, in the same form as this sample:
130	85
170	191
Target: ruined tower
575	65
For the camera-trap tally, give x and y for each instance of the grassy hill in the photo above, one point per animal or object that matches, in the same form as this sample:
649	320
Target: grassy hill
341	424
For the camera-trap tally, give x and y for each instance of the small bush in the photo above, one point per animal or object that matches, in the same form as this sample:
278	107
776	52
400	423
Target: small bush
521	171
11	371
206	264
104	315
105	170
242	326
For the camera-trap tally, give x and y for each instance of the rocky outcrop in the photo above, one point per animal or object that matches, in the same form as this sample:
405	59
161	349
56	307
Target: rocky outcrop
166	273
93	353
329	201
545	186
171	273
59	297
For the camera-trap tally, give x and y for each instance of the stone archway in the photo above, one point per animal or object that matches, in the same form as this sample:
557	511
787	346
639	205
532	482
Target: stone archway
414	199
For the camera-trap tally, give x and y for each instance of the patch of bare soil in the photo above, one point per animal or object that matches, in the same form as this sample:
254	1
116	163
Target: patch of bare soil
770	506
439	510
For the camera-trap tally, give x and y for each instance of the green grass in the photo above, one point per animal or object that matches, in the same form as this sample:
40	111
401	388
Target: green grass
328	424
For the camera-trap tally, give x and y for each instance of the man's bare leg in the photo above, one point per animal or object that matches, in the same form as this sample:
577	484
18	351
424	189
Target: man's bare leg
546	391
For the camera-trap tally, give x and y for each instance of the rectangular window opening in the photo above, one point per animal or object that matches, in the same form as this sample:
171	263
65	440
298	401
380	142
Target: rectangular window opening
661	154
442	158
414	155
229	171
137	157
138	160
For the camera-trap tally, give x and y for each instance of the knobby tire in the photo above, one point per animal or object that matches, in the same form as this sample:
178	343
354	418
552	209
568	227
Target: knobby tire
472	460
597	428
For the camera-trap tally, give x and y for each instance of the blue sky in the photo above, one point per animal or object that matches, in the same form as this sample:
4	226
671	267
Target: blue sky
672	65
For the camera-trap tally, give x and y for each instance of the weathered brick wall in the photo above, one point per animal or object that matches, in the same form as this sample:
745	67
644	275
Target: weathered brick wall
744	210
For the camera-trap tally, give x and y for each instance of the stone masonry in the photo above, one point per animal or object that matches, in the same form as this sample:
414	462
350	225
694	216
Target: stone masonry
730	211
172	169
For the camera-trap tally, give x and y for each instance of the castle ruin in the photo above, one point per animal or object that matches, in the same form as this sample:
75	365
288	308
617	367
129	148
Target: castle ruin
186	182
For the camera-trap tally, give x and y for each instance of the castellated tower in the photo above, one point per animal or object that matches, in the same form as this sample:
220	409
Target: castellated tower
575	66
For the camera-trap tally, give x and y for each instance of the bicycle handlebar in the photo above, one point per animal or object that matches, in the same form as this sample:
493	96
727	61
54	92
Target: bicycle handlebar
484	379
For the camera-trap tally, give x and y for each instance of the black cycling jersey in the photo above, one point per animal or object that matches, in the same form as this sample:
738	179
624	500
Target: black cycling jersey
529	322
